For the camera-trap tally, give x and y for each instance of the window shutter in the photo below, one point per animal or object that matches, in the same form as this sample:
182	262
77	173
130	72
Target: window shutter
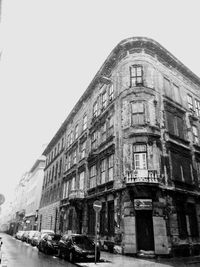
125	114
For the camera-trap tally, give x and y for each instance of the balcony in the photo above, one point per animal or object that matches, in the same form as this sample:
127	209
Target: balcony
76	194
142	177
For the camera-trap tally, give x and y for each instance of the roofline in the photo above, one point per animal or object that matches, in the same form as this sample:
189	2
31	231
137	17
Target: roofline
133	44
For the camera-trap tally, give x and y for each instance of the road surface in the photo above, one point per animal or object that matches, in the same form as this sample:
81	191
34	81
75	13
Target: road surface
16	253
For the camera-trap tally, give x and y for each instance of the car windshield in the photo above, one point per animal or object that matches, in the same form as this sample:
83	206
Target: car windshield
83	242
54	237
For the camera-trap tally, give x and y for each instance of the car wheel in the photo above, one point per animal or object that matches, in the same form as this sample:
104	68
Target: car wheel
71	256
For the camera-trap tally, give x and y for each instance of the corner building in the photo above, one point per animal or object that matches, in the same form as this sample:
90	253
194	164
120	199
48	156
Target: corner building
132	142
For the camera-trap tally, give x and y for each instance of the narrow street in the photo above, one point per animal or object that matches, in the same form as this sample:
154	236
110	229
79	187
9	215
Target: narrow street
20	254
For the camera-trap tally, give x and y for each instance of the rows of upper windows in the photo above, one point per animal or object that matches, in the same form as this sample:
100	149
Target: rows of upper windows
51	195
55	151
97	176
53	173
103	100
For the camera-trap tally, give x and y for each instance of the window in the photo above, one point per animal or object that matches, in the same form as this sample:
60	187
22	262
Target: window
71	138
103	171
76	132
66	189
81	180
93	176
176	123
176	93
60	169
94	140
140	157
138	114
190	102
55	152
110	126
195	134
181	167
110	167
104	100
197	107
52	175
68	140
83	150
95	109
56	172
136	75
167	88
62	144
103	133
111	92
73	184
74	157
85	122
187	220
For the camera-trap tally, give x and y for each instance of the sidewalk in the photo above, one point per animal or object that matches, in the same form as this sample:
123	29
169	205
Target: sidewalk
116	260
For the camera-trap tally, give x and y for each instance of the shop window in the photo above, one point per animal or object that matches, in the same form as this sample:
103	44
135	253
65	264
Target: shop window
103	171
190	102
93	176
91	220
176	124
110	167
111	225
136	75
103	219
140	157
70	219
197	107
137	113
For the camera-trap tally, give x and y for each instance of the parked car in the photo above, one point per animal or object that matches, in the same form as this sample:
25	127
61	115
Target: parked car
77	246
24	236
42	233
35	238
49	243
19	235
30	235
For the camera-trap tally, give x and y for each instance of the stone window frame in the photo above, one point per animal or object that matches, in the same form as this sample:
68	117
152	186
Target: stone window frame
136	75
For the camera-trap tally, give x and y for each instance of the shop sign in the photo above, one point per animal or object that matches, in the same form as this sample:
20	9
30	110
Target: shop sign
143	204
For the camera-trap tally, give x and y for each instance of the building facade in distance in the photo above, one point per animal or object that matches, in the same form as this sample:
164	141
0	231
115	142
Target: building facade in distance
52	183
132	142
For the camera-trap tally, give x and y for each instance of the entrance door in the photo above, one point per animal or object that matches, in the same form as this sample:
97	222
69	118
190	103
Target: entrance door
144	226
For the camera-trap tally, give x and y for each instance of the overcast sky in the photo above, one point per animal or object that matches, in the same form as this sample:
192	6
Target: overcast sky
51	50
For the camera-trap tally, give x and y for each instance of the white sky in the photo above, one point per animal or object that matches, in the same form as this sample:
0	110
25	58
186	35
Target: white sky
51	50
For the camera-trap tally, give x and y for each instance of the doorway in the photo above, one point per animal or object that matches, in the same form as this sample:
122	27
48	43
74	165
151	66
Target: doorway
144	228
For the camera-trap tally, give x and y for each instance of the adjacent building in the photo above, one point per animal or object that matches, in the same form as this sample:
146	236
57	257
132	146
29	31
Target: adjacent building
132	142
52	183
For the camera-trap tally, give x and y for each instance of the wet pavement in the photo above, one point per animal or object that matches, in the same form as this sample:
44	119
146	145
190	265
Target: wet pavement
16	253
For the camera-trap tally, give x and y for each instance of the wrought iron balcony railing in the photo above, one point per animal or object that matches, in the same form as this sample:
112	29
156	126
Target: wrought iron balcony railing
142	176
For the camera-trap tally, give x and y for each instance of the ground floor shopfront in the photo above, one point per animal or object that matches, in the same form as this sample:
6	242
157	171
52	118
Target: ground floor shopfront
138	219
48	217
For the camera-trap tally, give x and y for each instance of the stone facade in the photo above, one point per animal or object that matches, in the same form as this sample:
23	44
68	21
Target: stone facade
132	142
